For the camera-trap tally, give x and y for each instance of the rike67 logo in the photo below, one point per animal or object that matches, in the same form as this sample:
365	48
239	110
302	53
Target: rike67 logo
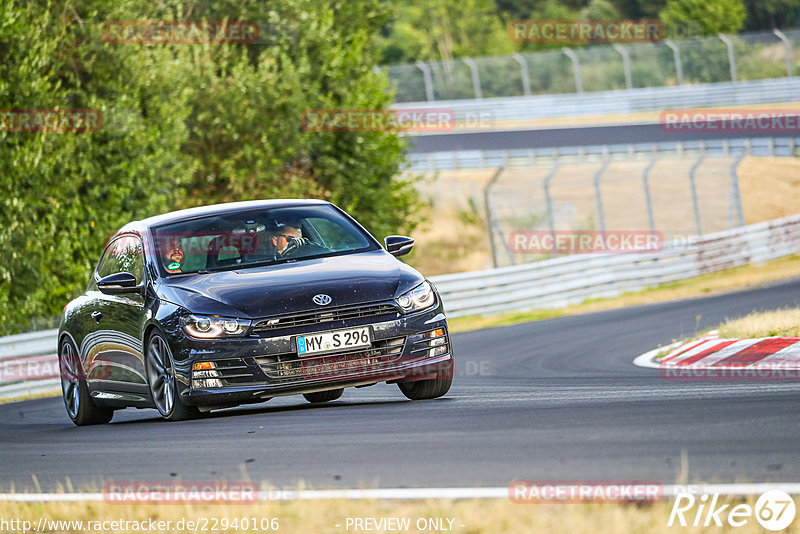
774	510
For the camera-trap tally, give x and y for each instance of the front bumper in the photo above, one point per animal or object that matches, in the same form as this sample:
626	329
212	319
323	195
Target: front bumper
254	369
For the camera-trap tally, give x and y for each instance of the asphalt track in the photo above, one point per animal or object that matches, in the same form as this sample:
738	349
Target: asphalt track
564	137
551	400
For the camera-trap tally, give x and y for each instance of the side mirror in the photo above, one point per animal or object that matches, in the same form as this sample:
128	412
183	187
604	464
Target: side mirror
398	245
118	283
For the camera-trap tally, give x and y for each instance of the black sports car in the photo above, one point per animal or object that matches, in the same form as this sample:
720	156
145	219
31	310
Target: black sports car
237	303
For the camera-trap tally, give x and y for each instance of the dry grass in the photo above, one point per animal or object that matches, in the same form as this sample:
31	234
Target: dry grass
454	240
769	187
784	322
319	517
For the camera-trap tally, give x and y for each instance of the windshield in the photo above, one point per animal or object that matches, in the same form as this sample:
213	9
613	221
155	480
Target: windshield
250	238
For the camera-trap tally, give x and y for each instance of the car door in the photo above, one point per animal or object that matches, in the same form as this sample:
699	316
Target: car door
113	352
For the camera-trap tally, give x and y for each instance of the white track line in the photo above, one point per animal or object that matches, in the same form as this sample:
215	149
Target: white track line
670	490
646	359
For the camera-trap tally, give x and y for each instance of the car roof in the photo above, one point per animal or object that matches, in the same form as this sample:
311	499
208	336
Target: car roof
214	209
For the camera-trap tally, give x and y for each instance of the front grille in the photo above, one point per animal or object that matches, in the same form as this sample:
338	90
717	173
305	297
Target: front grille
326	315
287	368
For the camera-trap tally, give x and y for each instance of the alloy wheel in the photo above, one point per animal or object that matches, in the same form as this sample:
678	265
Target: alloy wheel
160	375
70	379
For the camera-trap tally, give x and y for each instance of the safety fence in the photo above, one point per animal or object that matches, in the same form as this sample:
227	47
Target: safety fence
721	58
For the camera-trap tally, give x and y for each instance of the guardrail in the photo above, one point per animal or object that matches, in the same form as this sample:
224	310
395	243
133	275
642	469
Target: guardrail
572	279
527	157
623	102
28	363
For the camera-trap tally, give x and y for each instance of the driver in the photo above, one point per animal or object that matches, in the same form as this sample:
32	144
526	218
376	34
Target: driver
287	238
174	256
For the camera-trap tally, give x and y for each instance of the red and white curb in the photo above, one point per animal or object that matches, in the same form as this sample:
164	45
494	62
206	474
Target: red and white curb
711	352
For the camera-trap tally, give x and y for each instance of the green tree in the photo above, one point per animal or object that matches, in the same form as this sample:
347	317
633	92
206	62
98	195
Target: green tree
769	14
63	192
600	10
182	125
445	30
714	16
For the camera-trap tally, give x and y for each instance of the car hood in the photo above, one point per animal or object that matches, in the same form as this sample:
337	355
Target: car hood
289	287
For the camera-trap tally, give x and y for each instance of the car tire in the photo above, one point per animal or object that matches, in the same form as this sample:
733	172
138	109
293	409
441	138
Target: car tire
428	389
324	396
162	382
81	409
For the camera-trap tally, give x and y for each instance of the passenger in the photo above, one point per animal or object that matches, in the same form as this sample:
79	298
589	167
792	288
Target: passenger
173	261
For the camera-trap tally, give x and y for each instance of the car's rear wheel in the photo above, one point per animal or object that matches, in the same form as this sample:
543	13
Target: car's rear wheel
80	407
428	389
162	382
324	396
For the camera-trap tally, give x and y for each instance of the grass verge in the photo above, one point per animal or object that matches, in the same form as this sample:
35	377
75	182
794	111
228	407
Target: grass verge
20	398
468	516
785	323
746	276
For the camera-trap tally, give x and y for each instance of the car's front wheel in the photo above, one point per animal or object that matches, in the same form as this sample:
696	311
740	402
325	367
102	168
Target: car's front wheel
80	407
324	396
162	382
428	389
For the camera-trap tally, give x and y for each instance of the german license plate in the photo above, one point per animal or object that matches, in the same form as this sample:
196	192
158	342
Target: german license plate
335	340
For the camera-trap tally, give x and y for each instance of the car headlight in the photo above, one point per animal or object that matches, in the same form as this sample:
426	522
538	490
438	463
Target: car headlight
419	298
205	327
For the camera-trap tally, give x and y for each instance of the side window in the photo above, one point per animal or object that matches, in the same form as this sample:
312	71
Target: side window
124	255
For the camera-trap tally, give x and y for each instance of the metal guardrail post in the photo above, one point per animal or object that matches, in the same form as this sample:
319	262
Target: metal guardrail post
731	55
626	64
548	200
695	204
676	54
736	198
787	50
476	78
489	215
646	182
523	67
598	195
576	68
426	76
